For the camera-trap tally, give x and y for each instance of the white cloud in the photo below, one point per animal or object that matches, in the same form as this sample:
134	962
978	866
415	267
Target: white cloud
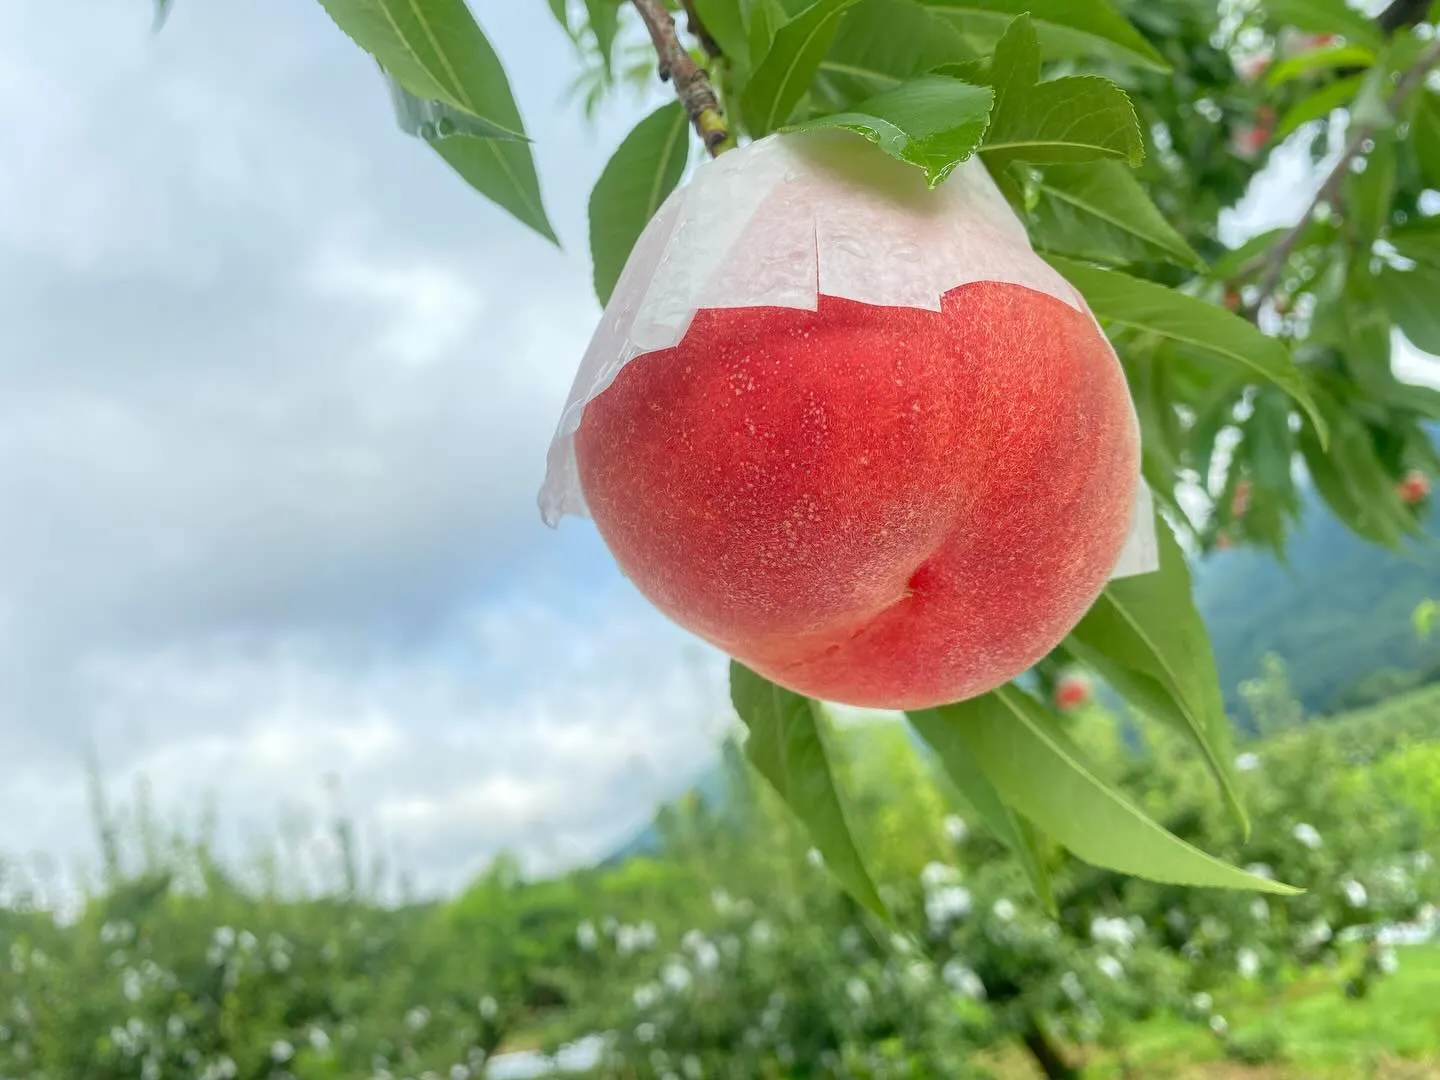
275	393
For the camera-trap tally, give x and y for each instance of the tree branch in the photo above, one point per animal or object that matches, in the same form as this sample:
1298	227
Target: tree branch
692	85
1402	13
1330	191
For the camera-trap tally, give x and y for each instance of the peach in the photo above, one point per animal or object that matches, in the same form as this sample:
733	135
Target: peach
1240	499
1071	692
883	506
1413	488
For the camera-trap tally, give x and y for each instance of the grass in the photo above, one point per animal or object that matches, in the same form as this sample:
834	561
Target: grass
1319	1034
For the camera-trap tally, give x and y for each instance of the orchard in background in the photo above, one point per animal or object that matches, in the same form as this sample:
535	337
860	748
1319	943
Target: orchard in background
1117	132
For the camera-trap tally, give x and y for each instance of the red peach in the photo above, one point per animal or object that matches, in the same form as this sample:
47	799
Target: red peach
1413	488
1249	139
1071	692
1240	499
888	507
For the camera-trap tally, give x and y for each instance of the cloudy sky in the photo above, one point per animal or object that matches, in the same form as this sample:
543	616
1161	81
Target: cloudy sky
275	391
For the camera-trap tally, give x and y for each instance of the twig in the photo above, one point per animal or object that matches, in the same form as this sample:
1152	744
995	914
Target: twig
1330	191
692	85
1402	13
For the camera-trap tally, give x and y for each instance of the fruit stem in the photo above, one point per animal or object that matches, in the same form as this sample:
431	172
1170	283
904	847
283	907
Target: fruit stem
692	84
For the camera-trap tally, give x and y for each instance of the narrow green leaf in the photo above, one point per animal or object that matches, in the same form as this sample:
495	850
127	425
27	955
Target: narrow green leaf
603	17
1080	29
1145	638
1099	210
437	52
643	171
430	120
766	16
1307	63
783	74
1327	17
1351	479
1240	258
1039	771
1425	136
1412	297
1320	104
932	122
787	744
881	43
560	9
1144	305
972	783
504	172
725	22
1368	194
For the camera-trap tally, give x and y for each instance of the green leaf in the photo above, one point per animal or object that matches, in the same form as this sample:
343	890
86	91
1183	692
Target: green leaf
1370	193
431	120
932	122
1425	137
1079	29
782	76
1327	17
787	744
1412	297
561	10
1240	258
1076	118
1419	241
1143	305
1307	63
504	172
435	49
162	12
643	171
1145	638
1012	831
1320	104
604	21
1039	771
766	16
1351	478
1099	210
725	21
881	43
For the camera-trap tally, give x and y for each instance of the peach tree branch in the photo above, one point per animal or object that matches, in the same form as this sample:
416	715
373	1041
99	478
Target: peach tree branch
692	85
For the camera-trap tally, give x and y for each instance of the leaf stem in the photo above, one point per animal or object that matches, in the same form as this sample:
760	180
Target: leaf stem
1328	196
692	84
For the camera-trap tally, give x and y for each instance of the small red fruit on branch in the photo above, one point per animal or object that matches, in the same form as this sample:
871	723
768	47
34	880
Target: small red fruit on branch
1071	691
1413	488
1240	499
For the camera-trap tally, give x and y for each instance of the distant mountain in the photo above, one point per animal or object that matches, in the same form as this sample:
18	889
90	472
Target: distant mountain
1339	611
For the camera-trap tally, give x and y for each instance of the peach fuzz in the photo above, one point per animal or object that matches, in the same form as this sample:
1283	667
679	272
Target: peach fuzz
883	506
